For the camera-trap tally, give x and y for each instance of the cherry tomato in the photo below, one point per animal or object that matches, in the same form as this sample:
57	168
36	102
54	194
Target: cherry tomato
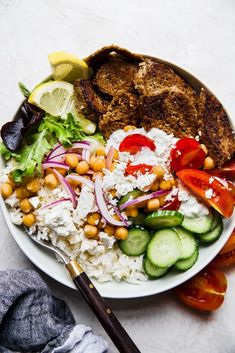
226	257
227	171
172	205
135	142
139	168
187	154
229	186
199	182
205	291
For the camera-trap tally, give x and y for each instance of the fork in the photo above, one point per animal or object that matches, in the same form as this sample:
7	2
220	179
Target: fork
104	314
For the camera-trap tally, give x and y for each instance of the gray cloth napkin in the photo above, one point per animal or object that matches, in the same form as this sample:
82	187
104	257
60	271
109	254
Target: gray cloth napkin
32	320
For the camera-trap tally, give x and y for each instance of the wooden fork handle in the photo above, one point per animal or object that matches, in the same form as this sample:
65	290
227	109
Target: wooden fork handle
104	314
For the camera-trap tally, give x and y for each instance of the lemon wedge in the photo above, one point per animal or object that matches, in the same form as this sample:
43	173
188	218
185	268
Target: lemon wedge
68	67
56	98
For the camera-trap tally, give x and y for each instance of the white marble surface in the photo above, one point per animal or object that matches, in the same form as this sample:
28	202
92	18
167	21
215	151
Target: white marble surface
198	35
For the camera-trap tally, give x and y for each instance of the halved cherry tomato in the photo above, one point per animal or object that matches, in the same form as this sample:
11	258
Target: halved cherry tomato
226	256
135	142
173	205
187	154
227	171
228	184
199	182
139	168
205	291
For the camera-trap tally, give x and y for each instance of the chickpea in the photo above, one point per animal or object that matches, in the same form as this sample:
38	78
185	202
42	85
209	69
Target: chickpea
132	211
158	171
101	225
113	192
115	155
113	166
100	151
73	183
51	181
162	200
33	185
82	167
153	205
115	216
62	171
48	171
71	160
92	159
165	185
110	230
129	128
173	182
95	174
90	231
99	164
22	192
209	163
155	186
121	233
6	190
204	148
93	218
28	219
25	205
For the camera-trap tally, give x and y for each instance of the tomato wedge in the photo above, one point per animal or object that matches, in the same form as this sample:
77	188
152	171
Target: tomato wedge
200	182
205	291
138	169
187	154
227	171
226	257
173	205
135	142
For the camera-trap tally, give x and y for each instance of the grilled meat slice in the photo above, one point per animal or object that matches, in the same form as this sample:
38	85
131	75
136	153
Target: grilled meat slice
101	55
216	130
114	75
170	110
88	101
122	111
153	77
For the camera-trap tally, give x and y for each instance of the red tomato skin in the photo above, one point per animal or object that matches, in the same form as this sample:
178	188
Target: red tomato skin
135	142
139	168
187	154
205	291
199	182
226	256
227	171
173	205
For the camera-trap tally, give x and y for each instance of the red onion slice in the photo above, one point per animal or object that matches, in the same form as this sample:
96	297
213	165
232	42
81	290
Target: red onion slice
50	164
143	198
101	203
55	147
86	155
81	144
68	189
121	216
80	179
109	158
54	203
61	157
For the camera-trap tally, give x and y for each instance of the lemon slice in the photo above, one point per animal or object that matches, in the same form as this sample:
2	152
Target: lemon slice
55	97
68	67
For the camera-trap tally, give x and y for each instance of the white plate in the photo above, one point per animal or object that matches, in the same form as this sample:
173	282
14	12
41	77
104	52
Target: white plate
47	263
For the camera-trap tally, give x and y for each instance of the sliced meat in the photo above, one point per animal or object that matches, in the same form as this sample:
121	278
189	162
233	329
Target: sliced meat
153	77
122	111
101	55
216	131
171	110
114	75
88	101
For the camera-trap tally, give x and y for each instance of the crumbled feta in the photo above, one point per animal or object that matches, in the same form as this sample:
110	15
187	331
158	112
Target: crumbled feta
34	201
12	200
211	180
16	216
209	193
190	206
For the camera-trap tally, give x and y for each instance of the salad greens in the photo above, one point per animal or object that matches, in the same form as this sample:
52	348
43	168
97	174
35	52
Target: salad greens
39	141
24	90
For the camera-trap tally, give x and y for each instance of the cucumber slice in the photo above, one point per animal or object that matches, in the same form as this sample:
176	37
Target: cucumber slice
136	242
216	220
188	241
212	235
184	265
163	219
153	271
198	225
130	196
164	249
138	220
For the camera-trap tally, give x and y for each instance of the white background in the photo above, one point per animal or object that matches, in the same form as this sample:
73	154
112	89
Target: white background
197	35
